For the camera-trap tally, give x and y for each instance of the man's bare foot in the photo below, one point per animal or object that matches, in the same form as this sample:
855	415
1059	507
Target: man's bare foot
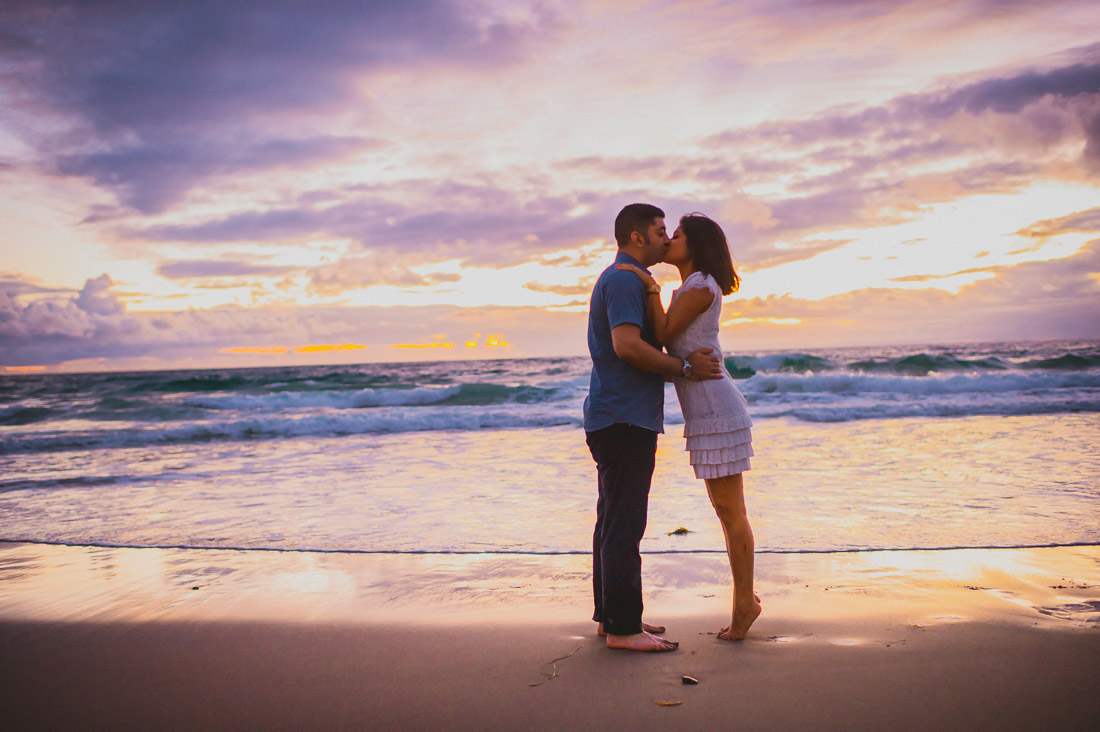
742	621
646	627
646	642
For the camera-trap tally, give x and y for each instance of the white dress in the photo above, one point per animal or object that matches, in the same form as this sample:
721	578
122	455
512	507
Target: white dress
716	415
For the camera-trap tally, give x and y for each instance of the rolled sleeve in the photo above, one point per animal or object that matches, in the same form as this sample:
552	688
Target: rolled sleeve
624	299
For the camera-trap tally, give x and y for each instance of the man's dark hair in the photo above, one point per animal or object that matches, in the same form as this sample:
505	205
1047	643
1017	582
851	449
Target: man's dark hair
635	217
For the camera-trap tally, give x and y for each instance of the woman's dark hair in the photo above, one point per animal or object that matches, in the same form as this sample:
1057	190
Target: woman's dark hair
710	253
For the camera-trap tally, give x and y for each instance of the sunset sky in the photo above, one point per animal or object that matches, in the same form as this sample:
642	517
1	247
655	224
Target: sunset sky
189	184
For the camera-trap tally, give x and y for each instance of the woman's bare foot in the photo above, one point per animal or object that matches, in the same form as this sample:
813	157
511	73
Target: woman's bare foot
726	629
646	627
742	621
646	642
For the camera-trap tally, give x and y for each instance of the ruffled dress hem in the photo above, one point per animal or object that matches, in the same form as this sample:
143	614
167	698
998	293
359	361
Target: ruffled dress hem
711	425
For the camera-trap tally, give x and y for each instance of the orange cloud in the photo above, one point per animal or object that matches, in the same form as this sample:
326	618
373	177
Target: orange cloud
329	347
495	340
434	344
24	369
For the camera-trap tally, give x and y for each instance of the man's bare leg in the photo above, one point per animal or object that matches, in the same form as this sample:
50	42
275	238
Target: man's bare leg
645	642
646	627
727	495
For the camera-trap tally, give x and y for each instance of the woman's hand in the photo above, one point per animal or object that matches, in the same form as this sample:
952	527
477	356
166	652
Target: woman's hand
642	274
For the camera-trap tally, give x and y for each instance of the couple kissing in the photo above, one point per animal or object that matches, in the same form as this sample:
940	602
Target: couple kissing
624	412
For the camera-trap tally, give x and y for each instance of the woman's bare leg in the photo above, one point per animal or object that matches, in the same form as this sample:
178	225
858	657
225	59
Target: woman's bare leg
727	495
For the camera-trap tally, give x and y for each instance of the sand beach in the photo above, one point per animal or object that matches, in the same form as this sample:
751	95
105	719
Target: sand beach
98	638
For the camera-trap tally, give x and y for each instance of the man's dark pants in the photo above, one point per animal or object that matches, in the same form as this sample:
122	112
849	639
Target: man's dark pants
625	457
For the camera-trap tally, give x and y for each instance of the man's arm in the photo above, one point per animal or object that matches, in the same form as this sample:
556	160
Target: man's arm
626	339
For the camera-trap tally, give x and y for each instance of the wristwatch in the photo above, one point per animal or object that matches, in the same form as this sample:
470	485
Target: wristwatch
686	371
654	289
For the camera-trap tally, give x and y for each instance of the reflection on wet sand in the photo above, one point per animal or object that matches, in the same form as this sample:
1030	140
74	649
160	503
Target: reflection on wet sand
917	587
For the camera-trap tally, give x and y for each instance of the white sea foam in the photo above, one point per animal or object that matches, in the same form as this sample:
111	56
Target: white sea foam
354	399
468	456
386	420
860	383
930	408
89	411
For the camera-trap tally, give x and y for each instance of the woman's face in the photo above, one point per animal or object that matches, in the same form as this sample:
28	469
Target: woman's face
678	250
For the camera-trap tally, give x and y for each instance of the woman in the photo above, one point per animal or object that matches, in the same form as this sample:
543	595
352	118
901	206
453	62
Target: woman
716	417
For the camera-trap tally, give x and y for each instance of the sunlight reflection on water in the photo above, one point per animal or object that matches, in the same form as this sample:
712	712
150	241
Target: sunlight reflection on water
976	481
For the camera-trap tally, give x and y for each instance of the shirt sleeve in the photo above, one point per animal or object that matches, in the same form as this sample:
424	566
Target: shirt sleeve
699	281
624	298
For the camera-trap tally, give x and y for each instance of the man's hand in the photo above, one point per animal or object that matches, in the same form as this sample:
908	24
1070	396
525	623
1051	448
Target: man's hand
704	365
627	341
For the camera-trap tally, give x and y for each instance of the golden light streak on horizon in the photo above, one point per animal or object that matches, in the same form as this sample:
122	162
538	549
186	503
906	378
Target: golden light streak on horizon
330	347
493	340
279	350
435	344
24	369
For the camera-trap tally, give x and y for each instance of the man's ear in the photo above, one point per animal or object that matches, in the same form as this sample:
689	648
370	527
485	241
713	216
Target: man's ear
637	238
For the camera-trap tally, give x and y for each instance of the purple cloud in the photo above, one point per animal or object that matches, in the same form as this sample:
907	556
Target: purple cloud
160	95
96	297
150	178
417	220
1084	221
50	332
200	268
1010	95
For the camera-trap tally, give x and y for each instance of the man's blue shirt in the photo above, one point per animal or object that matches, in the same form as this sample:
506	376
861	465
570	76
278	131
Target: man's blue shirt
619	392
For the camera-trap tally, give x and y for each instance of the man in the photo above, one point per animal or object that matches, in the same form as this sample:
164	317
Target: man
623	414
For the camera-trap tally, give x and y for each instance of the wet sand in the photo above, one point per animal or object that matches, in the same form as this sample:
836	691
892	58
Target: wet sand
93	638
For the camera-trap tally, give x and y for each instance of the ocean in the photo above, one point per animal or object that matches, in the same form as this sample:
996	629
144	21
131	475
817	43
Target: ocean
900	447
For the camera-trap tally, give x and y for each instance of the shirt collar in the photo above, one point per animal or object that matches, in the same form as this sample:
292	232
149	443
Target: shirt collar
622	257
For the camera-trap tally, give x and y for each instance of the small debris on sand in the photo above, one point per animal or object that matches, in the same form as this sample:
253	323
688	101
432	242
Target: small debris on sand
554	667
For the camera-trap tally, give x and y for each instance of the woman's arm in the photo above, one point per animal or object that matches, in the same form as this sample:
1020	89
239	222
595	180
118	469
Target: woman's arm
688	306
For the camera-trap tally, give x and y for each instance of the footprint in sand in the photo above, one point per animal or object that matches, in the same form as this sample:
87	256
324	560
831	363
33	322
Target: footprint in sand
780	639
